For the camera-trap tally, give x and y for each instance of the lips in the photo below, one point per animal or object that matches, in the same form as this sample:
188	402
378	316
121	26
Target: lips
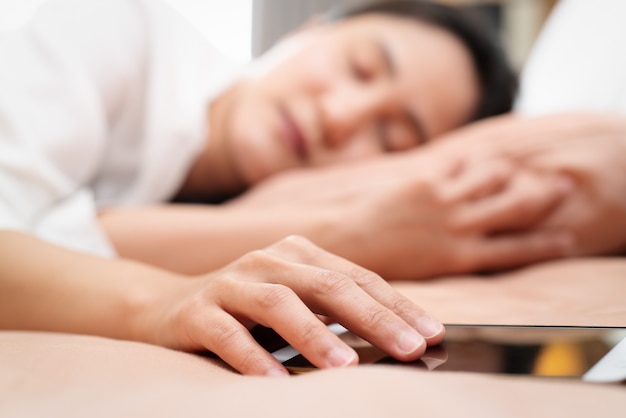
294	137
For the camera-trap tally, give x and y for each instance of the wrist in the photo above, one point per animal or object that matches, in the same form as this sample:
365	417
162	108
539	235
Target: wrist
146	302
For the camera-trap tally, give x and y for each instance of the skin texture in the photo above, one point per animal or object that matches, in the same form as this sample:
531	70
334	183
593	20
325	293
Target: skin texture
416	216
588	148
334	93
283	287
578	156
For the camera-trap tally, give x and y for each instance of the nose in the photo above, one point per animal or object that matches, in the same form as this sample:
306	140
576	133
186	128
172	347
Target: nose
347	110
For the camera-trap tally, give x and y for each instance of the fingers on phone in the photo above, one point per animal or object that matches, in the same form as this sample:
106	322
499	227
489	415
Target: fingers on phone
279	307
286	287
340	297
355	288
229	339
366	316
430	329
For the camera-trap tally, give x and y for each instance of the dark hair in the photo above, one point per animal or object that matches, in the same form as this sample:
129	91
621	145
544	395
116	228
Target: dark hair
498	81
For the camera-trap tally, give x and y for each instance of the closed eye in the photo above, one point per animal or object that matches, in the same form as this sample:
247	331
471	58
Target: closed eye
361	72
369	59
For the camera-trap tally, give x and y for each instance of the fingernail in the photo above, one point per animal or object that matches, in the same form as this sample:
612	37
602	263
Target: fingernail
277	372
429	327
409	342
341	356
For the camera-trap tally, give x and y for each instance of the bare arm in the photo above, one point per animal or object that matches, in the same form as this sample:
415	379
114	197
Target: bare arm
283	286
197	238
44	287
405	217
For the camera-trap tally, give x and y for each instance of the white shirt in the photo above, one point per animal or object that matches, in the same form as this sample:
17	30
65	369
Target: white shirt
102	102
579	60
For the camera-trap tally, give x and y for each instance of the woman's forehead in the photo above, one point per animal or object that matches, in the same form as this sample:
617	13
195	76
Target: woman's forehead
432	69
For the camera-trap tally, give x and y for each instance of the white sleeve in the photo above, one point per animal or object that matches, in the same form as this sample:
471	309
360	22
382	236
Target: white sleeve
101	101
578	61
53	122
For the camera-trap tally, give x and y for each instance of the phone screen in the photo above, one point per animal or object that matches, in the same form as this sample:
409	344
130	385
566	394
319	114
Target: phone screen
526	350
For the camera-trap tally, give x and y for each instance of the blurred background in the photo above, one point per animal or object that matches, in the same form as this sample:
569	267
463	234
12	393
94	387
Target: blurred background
243	29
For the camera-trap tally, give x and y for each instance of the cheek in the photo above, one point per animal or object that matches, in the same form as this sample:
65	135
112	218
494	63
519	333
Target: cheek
250	130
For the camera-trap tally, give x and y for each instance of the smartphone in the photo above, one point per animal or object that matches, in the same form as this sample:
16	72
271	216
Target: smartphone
595	354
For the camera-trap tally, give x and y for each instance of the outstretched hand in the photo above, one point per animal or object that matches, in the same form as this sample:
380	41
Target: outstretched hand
291	286
284	287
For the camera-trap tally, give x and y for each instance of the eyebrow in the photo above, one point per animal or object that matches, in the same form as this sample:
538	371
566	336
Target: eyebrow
414	121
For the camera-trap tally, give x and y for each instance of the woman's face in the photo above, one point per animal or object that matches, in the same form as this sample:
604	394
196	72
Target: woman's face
347	91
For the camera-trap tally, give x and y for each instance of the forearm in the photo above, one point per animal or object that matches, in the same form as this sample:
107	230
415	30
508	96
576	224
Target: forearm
195	239
44	287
